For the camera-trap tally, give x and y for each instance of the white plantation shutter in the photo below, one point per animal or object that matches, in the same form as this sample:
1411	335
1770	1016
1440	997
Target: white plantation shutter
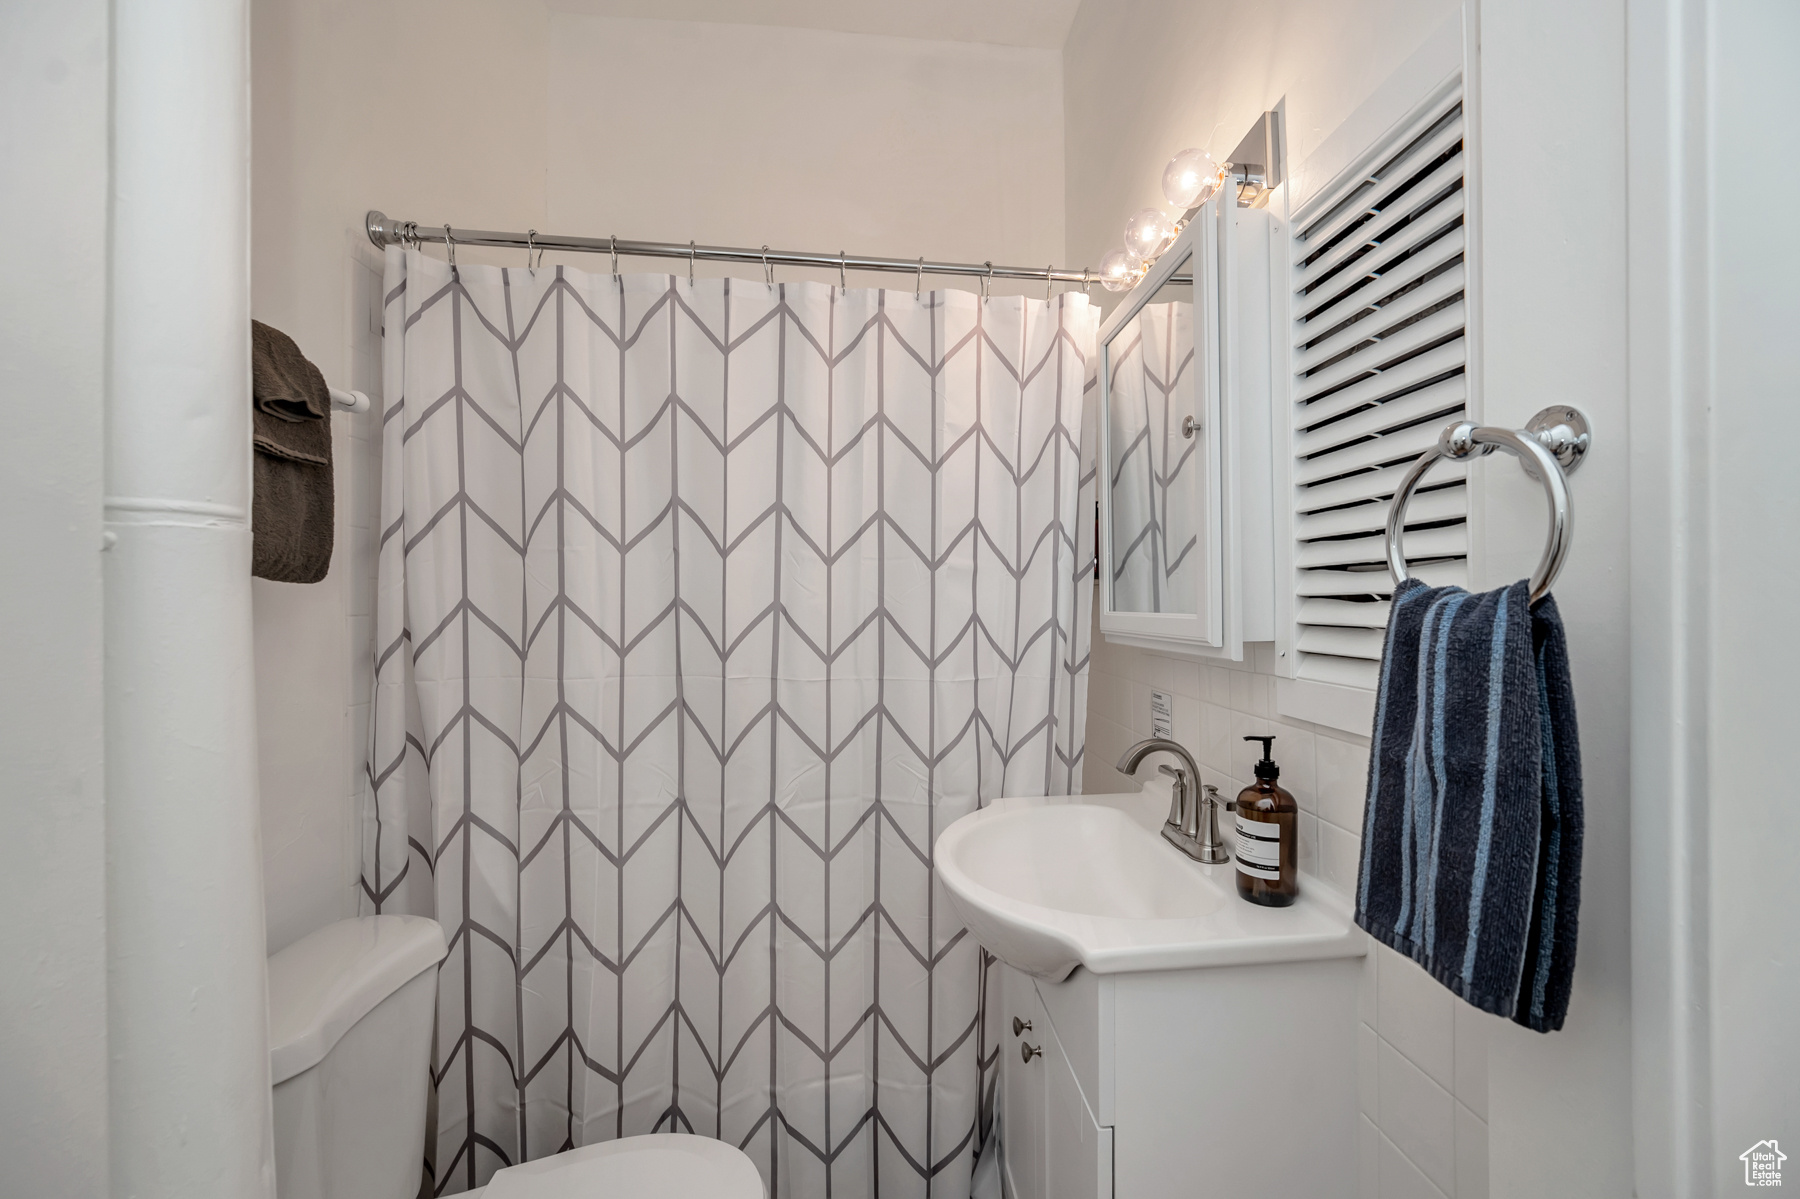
1378	316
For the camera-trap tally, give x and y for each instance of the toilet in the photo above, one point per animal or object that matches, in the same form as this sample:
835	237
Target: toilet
350	1019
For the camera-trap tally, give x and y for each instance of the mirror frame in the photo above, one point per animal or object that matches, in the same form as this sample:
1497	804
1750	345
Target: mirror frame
1204	630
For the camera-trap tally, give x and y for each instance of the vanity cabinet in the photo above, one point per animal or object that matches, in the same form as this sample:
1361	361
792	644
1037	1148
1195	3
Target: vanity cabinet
1054	1147
1234	1082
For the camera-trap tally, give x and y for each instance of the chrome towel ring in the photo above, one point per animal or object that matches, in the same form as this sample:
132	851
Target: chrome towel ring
1551	446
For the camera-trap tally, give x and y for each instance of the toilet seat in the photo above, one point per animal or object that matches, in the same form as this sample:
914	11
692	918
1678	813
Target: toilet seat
656	1166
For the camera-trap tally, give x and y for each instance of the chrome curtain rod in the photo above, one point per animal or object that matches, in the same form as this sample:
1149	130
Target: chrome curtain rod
385	231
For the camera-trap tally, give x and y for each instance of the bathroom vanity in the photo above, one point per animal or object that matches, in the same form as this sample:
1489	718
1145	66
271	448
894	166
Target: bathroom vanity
1160	1036
1233	1081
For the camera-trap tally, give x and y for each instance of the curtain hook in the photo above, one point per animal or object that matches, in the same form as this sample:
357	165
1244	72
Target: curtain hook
1084	281
1047	271
530	246
987	280
450	247
615	256
690	263
919	279
768	271
841	284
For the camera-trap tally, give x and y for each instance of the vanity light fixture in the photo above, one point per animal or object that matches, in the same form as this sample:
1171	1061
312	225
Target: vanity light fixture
1189	181
1191	178
1147	234
1117	271
1256	162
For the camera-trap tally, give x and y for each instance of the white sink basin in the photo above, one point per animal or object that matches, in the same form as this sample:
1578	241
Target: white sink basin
1051	883
1082	859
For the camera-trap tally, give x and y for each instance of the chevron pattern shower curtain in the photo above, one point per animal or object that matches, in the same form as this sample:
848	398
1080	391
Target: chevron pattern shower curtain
703	609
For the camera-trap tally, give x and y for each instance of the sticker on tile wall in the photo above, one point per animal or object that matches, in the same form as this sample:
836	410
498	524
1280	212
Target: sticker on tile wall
1162	714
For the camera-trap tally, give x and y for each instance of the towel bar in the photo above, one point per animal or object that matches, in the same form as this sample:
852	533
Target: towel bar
350	401
1553	444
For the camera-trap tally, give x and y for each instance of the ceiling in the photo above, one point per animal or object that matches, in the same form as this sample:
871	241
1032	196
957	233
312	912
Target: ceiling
1040	23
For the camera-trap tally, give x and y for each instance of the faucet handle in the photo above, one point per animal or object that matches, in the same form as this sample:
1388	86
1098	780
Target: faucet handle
1178	796
1212	846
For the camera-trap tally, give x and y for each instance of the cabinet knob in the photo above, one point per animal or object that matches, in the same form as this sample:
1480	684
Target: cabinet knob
1027	1052
1020	1026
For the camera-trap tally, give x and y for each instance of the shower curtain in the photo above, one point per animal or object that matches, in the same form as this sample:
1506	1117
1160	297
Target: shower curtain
703	609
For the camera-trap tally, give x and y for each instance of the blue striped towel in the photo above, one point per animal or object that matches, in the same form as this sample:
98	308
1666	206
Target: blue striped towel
1471	853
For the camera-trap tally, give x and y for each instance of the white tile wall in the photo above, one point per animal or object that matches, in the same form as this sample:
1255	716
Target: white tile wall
1417	1115
1471	1085
1471	1155
1421	1052
1399	1178
1427	1100
1417	1016
1368	1156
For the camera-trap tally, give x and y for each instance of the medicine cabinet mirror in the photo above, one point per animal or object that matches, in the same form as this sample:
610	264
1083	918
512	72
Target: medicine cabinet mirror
1186	542
1160	383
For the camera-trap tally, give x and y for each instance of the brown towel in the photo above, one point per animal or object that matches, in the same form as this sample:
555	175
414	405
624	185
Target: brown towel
291	512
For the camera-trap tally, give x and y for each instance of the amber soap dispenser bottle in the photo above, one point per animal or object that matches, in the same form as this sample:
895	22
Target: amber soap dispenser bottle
1267	837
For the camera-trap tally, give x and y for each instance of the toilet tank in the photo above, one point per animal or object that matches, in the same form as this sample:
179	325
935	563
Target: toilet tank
350	1019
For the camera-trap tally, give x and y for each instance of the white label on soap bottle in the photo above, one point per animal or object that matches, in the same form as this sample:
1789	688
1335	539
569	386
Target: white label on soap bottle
1259	848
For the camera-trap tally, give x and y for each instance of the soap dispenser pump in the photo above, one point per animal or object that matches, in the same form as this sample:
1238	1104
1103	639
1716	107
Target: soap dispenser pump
1267	836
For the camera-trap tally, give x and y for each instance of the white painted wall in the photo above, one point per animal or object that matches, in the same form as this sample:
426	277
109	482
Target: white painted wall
54	99
998	22
812	140
1714	364
1669	319
1554	306
504	115
419	108
1754	555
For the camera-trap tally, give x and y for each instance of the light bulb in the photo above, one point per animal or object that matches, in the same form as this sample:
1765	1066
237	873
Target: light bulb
1147	233
1190	178
1117	271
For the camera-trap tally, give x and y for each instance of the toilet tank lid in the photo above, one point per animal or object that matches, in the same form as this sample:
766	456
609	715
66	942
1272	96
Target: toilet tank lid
322	984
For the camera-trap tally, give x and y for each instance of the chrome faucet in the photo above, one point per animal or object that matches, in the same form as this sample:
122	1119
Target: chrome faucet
1193	823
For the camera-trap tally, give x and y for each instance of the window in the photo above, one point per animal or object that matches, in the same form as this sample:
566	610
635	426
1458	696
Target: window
1378	355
